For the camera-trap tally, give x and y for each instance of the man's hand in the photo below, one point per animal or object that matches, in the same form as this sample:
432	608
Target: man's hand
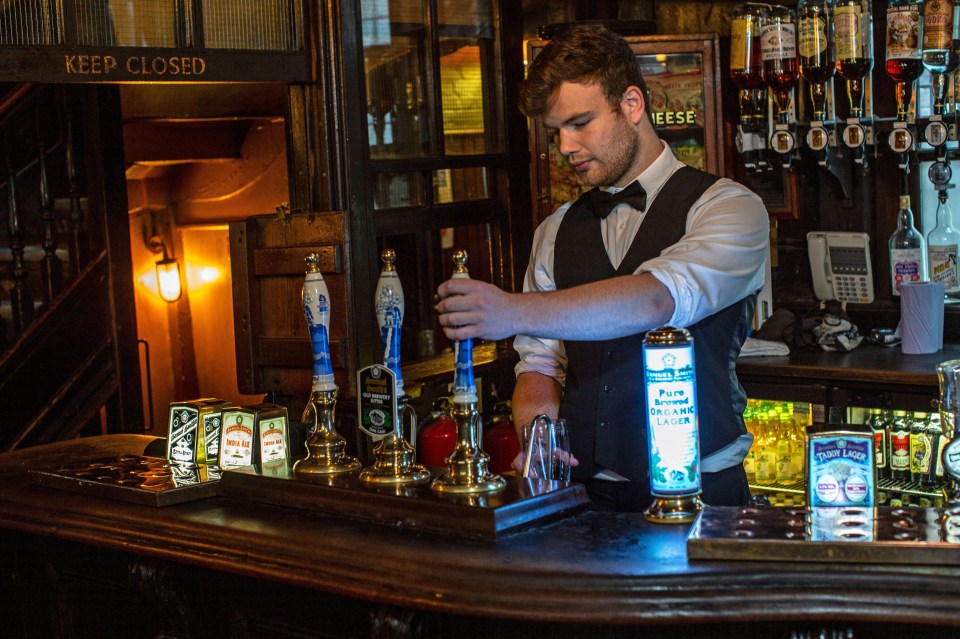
472	308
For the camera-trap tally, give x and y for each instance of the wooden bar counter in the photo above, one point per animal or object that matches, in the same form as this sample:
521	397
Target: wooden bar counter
77	565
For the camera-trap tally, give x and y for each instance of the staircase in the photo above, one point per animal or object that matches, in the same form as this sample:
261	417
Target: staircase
68	350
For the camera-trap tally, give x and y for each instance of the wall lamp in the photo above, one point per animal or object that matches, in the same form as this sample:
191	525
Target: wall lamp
168	272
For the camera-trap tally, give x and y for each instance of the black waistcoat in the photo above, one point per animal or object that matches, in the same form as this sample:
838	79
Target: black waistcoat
604	400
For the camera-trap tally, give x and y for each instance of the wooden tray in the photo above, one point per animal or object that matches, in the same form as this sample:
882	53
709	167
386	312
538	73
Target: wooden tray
883	535
144	480
521	504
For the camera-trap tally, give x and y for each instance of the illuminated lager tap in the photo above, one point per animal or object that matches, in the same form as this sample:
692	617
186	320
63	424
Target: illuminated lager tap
467	471
673	439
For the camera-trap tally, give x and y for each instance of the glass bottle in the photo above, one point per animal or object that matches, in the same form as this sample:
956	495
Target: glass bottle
942	247
904	53
853	38
879	428
900	446
919	448
815	48
779	51
907	253
750	461
935	437
940	31
746	63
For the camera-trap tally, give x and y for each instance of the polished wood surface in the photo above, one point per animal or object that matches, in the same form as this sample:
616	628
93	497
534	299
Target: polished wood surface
868	365
592	568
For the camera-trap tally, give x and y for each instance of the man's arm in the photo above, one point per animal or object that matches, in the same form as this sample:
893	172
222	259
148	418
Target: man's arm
535	393
607	309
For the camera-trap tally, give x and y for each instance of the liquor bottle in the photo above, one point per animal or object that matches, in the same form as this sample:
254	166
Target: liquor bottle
746	64
750	461
919	448
879	428
904	53
940	31
815	47
907	254
942	247
766	459
779	51
937	443
786	474
853	38
900	446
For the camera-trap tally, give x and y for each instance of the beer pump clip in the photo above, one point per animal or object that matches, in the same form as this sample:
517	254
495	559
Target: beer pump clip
381	399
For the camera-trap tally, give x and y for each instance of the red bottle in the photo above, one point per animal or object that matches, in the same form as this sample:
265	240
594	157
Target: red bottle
500	439
438	436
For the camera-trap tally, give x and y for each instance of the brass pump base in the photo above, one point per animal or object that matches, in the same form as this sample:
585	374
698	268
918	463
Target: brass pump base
467	472
394	465
326	456
674	510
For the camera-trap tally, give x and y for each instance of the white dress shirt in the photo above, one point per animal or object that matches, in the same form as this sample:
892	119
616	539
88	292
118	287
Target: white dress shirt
718	261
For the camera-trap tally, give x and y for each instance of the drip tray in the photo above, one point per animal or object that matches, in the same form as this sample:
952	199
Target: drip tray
522	503
882	535
152	481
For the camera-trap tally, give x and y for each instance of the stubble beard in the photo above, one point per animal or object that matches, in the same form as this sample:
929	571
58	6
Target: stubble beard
620	157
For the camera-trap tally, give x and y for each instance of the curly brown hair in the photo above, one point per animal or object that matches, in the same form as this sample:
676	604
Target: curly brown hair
582	54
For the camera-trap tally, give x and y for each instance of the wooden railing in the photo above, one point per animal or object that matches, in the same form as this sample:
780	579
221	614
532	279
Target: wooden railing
57	362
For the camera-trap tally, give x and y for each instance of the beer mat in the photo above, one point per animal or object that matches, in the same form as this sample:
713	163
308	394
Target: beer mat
521	504
152	481
881	535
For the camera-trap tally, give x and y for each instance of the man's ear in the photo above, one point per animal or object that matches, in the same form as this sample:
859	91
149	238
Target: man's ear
633	104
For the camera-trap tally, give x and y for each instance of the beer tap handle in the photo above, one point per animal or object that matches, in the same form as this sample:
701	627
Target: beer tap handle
390	308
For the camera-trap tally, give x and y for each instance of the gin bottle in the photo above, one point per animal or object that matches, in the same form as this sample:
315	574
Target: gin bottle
907	253
942	244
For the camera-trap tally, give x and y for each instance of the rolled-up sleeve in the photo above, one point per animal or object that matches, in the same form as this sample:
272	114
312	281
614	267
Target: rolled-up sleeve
537	355
721	257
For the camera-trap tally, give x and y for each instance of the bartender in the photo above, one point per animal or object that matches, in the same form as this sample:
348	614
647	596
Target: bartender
656	242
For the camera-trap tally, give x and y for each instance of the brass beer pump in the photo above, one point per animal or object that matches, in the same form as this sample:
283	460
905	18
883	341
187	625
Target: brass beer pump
326	454
467	472
394	458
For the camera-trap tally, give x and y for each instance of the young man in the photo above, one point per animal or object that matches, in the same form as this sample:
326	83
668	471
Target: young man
657	243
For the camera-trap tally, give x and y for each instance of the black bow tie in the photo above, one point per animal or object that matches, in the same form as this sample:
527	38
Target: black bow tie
601	203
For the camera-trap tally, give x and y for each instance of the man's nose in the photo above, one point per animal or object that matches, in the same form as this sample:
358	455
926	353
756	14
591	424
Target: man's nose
567	143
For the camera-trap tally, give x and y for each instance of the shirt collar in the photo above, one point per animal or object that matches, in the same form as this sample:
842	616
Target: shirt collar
655	175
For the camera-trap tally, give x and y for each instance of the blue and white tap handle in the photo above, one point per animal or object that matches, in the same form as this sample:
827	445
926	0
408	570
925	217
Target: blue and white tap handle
316	308
389	305
464	385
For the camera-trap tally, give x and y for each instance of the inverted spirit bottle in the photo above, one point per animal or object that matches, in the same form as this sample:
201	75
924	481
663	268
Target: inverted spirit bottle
779	51
904	53
942	247
746	63
940	30
907	254
853	37
815	47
